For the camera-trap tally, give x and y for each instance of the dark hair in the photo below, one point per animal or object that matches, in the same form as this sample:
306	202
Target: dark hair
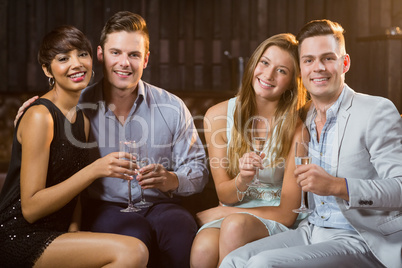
62	39
322	27
128	22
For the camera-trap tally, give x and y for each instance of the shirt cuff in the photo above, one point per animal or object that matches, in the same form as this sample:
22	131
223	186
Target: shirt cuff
347	189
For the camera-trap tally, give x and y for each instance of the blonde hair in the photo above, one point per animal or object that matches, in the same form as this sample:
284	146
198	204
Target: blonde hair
286	114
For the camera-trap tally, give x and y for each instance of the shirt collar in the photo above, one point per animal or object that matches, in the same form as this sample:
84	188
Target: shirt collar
141	96
332	111
143	93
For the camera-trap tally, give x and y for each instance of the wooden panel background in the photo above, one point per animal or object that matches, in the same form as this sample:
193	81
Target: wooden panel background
189	38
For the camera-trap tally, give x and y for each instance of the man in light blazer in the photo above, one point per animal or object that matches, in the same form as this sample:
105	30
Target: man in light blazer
354	183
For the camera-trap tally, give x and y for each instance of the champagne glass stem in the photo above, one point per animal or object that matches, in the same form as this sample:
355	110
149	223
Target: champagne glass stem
142	163
142	195
130	201
257	175
303	203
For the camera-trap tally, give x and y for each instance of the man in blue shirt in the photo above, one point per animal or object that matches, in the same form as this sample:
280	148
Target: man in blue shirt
354	182
123	107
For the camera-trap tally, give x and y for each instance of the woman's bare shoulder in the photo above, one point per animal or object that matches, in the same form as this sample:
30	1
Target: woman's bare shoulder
37	114
218	109
36	120
215	117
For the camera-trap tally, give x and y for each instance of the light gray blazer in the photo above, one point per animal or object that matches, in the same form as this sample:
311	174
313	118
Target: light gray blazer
370	157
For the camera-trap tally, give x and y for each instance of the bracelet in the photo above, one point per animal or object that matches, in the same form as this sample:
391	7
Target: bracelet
240	194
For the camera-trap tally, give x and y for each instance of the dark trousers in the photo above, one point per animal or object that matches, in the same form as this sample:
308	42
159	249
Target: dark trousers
166	228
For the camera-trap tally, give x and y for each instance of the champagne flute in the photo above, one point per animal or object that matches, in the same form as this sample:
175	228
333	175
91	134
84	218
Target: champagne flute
302	158
142	161
259	136
131	148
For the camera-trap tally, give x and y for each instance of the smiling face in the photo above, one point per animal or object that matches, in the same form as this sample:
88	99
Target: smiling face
322	66
71	70
273	74
124	59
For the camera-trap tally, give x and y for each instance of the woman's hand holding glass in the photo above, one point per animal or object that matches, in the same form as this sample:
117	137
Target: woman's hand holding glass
113	165
249	164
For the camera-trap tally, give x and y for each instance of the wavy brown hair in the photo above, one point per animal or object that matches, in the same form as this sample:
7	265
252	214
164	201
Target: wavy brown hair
320	28
286	114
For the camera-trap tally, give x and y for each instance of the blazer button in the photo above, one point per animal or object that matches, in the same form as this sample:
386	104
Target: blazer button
363	202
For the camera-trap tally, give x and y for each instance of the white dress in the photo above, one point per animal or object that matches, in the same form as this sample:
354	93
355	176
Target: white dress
258	197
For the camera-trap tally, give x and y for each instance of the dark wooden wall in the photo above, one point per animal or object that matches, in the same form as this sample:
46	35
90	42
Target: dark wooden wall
189	38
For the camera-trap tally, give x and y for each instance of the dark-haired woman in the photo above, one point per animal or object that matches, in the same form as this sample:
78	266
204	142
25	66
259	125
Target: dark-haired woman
39	208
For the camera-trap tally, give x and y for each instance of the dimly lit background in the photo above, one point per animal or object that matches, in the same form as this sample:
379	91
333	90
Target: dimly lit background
189	39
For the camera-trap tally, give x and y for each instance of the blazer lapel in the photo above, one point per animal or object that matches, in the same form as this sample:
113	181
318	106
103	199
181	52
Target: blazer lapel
343	117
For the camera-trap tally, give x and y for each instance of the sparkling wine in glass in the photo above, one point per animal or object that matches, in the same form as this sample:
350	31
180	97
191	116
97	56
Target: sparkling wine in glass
142	161
131	148
259	136
302	158
258	144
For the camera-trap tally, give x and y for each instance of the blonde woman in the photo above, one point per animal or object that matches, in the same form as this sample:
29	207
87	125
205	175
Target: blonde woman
271	88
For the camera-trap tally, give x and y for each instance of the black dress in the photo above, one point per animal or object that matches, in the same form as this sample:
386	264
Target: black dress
22	243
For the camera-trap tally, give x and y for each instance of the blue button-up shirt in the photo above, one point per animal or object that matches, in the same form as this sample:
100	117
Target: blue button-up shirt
323	152
158	120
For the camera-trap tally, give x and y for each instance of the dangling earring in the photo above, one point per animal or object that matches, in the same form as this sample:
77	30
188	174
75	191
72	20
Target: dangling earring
51	81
